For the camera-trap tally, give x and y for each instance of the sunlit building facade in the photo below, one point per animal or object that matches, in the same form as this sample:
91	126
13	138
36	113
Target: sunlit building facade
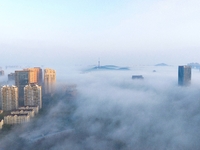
1	123
49	81
9	98
39	75
33	95
16	119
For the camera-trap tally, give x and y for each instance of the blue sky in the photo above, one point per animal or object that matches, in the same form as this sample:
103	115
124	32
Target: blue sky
118	32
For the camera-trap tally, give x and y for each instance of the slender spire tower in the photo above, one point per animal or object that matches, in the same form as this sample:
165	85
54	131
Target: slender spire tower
99	64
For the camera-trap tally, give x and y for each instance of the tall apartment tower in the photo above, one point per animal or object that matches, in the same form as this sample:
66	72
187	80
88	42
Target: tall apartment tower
35	75
49	81
33	95
39	75
25	77
9	98
21	80
184	75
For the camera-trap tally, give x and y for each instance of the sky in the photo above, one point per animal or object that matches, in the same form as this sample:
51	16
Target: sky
126	33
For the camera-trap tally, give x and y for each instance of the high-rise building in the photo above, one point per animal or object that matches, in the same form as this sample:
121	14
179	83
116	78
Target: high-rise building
23	78
184	75
39	75
11	77
32	75
33	78
33	95
49	81
9	98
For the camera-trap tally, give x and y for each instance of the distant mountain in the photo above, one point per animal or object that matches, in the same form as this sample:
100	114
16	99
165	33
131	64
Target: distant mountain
161	64
194	65
107	67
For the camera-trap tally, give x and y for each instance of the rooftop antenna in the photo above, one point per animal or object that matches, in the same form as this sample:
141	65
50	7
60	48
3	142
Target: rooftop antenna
98	63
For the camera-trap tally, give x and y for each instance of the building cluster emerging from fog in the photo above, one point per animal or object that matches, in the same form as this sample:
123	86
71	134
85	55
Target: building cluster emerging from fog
24	99
184	75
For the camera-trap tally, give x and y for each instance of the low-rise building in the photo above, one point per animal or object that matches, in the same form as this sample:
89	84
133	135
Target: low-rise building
16	119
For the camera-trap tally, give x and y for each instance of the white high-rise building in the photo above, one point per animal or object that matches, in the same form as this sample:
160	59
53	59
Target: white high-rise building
33	95
9	97
49	81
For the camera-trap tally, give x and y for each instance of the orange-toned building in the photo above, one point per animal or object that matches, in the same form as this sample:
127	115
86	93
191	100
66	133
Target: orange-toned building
49	81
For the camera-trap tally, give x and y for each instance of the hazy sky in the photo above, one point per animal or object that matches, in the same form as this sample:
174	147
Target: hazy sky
74	32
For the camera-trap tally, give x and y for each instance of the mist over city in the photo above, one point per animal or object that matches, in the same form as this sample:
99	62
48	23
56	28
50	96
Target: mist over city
99	75
109	110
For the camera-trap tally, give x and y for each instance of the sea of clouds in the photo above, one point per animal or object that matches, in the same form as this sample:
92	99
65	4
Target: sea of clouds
111	111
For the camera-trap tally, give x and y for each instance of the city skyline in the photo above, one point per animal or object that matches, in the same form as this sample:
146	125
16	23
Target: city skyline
99	75
112	106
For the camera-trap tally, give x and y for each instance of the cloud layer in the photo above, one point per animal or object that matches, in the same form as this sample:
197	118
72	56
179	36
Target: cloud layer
111	111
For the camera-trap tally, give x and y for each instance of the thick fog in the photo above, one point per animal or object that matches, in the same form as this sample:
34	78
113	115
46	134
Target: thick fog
110	111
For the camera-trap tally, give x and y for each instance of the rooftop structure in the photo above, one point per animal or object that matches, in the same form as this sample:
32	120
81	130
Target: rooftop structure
35	108
30	112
